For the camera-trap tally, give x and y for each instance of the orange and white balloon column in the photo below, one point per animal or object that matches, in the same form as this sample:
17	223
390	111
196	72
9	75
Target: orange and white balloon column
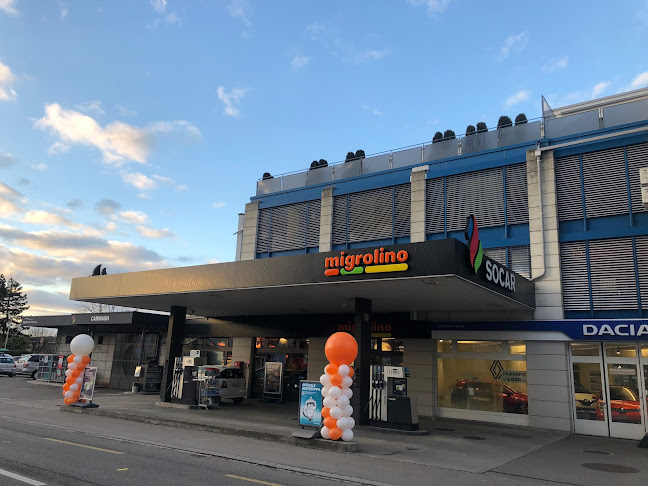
341	350
81	347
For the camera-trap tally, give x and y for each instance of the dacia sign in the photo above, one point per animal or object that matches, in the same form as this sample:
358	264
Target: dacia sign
615	330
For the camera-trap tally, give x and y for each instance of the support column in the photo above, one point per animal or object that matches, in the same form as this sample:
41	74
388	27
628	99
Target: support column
362	331
326	220
417	191
250	227
175	335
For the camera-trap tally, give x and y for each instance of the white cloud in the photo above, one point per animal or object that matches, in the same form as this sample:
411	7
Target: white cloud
314	30
39	167
240	9
133	217
519	97
8	7
371	110
125	111
218	204
434	6
182	187
8	207
299	62
640	81
139	181
176	126
555	65
91	107
230	99
599	89
9	191
47	218
371	55
117	141
155	234
7	93
6	160
513	43
159	5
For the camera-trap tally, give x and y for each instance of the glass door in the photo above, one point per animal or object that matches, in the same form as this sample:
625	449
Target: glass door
625	391
587	371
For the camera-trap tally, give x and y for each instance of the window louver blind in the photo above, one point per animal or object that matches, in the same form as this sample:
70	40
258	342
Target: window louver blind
479	193
520	260
402	210
370	215
606	191
613	275
263	231
641	243
568	188
434	206
517	200
573	263
497	254
313	228
637	158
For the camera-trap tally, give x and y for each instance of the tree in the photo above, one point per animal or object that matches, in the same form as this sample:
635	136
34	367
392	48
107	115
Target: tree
12	304
521	118
470	130
98	308
349	157
438	136
448	135
360	154
481	127
504	121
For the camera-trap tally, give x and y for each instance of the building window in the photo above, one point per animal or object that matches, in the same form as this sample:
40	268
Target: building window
100	340
68	339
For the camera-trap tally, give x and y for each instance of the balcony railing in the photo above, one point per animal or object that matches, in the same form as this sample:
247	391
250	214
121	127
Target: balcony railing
531	132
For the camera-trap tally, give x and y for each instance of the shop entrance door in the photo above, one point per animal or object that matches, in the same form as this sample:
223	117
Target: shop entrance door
610	382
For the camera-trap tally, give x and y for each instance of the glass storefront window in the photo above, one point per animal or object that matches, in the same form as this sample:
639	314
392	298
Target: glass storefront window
585	349
216	350
479	346
644	352
483	384
517	347
621	350
444	346
587	391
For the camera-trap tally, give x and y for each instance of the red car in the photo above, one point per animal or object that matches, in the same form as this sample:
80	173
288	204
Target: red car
483	391
624	403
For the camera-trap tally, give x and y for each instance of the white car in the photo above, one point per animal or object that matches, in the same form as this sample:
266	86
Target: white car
231	383
27	364
7	365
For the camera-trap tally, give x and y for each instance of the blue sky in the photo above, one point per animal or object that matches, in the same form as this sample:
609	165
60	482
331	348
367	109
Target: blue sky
132	133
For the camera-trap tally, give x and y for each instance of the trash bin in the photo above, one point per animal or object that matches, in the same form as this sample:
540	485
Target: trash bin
135	388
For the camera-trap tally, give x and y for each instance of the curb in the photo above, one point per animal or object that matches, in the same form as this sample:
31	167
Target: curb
321	444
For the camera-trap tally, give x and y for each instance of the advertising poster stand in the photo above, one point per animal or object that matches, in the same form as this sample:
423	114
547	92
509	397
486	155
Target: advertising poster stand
273	382
87	389
310	410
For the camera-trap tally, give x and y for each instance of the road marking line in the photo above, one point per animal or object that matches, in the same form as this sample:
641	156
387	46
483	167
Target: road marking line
252	480
81	445
33	482
123	469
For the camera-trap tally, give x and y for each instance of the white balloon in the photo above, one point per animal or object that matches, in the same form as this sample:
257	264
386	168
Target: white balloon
78	359
69	394
82	345
347	410
68	372
342	423
347	392
347	435
329	402
336	412
72	366
335	392
325	380
325	432
325	391
74	387
343	370
347	381
351	422
342	401
79	380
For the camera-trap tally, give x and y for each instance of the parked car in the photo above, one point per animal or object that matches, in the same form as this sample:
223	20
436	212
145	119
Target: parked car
624	405
585	402
7	365
27	364
482	395
231	381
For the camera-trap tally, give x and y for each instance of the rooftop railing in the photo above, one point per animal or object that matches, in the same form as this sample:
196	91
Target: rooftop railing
530	132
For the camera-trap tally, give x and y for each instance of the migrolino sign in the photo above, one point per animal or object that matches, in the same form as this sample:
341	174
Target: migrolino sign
378	261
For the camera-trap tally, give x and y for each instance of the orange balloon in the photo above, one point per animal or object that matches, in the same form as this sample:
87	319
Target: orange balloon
68	401
330	422
351	372
326	412
70	358
331	369
341	348
80	367
76	394
336	380
85	360
66	387
335	433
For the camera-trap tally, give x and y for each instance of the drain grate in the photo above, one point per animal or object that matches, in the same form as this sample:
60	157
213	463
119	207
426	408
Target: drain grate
611	468
603	453
473	437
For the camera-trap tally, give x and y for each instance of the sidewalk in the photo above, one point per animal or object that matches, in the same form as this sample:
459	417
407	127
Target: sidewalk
451	444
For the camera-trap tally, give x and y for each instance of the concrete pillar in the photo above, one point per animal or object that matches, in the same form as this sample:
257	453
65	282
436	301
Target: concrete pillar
549	303
418	356
362	331
250	225
417	182
175	335
242	350
316	357
326	221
